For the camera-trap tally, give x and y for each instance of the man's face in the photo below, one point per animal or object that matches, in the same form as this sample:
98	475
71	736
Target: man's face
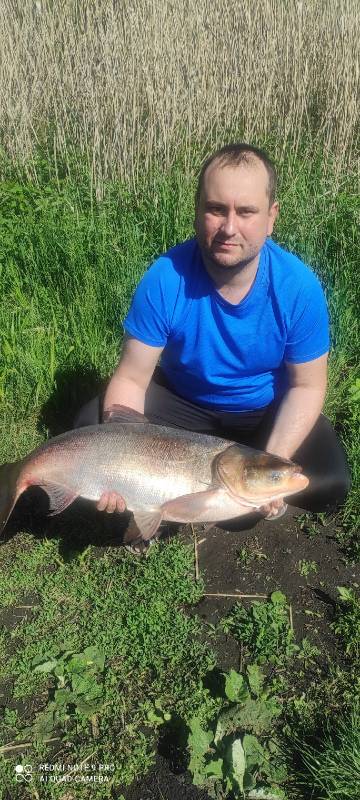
233	218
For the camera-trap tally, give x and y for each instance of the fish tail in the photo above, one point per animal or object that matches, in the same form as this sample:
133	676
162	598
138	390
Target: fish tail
9	490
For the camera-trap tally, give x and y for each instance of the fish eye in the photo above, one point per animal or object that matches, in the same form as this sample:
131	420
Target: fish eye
275	477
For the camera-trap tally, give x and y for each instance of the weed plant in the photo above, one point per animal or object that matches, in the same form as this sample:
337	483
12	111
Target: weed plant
264	630
238	752
347	622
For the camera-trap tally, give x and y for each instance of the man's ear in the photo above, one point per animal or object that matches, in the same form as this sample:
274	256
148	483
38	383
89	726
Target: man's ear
273	212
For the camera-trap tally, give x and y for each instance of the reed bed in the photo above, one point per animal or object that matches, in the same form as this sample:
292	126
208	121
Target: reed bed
129	84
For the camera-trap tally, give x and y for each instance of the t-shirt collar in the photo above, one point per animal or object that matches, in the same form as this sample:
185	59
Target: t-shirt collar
251	297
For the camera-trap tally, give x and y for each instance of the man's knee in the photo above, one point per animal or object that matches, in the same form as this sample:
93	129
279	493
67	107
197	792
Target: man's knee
327	495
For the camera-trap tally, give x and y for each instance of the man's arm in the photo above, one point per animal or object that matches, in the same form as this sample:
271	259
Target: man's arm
127	387
300	407
132	375
298	412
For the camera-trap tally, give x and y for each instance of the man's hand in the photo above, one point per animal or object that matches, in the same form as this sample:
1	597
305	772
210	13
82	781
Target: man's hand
273	509
110	502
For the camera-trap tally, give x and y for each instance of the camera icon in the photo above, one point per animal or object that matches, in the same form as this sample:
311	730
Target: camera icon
23	773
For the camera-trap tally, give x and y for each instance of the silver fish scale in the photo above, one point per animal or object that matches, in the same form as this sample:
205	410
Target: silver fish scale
147	464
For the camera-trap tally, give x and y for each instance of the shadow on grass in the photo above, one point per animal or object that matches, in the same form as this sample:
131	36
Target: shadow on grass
73	388
77	527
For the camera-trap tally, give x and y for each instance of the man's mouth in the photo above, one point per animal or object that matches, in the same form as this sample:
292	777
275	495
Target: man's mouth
226	244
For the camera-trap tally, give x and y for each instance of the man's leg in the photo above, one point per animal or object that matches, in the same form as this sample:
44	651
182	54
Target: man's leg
163	407
89	414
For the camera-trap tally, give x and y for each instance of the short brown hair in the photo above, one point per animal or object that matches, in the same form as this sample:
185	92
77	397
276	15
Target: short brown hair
236	154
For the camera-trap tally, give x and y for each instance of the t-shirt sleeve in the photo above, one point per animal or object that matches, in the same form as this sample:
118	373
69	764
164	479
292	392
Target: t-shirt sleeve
150	314
308	335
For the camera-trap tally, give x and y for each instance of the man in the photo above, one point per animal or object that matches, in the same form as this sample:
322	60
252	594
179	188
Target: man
241	328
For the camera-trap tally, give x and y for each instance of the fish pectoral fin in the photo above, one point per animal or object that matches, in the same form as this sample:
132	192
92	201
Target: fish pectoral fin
195	507
60	497
143	525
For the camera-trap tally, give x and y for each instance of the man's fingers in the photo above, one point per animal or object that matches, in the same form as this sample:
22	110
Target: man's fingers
102	503
278	503
111	506
110	502
120	503
273	507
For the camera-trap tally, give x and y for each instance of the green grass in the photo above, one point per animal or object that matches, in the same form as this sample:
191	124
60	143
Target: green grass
130	610
330	766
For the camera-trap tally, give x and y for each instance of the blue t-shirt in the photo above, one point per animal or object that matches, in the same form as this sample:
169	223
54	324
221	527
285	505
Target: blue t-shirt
223	356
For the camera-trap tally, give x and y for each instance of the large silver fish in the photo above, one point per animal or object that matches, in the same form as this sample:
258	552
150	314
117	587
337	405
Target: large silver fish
162	473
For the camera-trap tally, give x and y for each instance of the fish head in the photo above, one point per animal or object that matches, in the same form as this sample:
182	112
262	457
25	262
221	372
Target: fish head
258	477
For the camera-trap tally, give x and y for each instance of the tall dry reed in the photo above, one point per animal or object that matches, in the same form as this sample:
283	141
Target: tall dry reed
128	83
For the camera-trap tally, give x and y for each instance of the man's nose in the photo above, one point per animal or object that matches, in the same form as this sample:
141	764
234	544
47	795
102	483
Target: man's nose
228	224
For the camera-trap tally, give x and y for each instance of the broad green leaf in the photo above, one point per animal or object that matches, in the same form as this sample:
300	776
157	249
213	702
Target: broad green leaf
258	715
220	731
95	656
215	768
40	659
238	763
63	696
275	772
59	669
199	739
254	751
199	744
43	725
87	709
228	722
87	685
77	663
255	678
264	793
46	666
155	717
278	598
345	594
249	780
234	683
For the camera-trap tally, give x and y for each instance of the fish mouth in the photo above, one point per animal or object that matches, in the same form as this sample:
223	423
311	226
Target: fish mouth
296	482
299	480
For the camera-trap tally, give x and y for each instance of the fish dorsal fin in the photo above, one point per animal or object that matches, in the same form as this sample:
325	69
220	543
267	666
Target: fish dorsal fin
119	413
